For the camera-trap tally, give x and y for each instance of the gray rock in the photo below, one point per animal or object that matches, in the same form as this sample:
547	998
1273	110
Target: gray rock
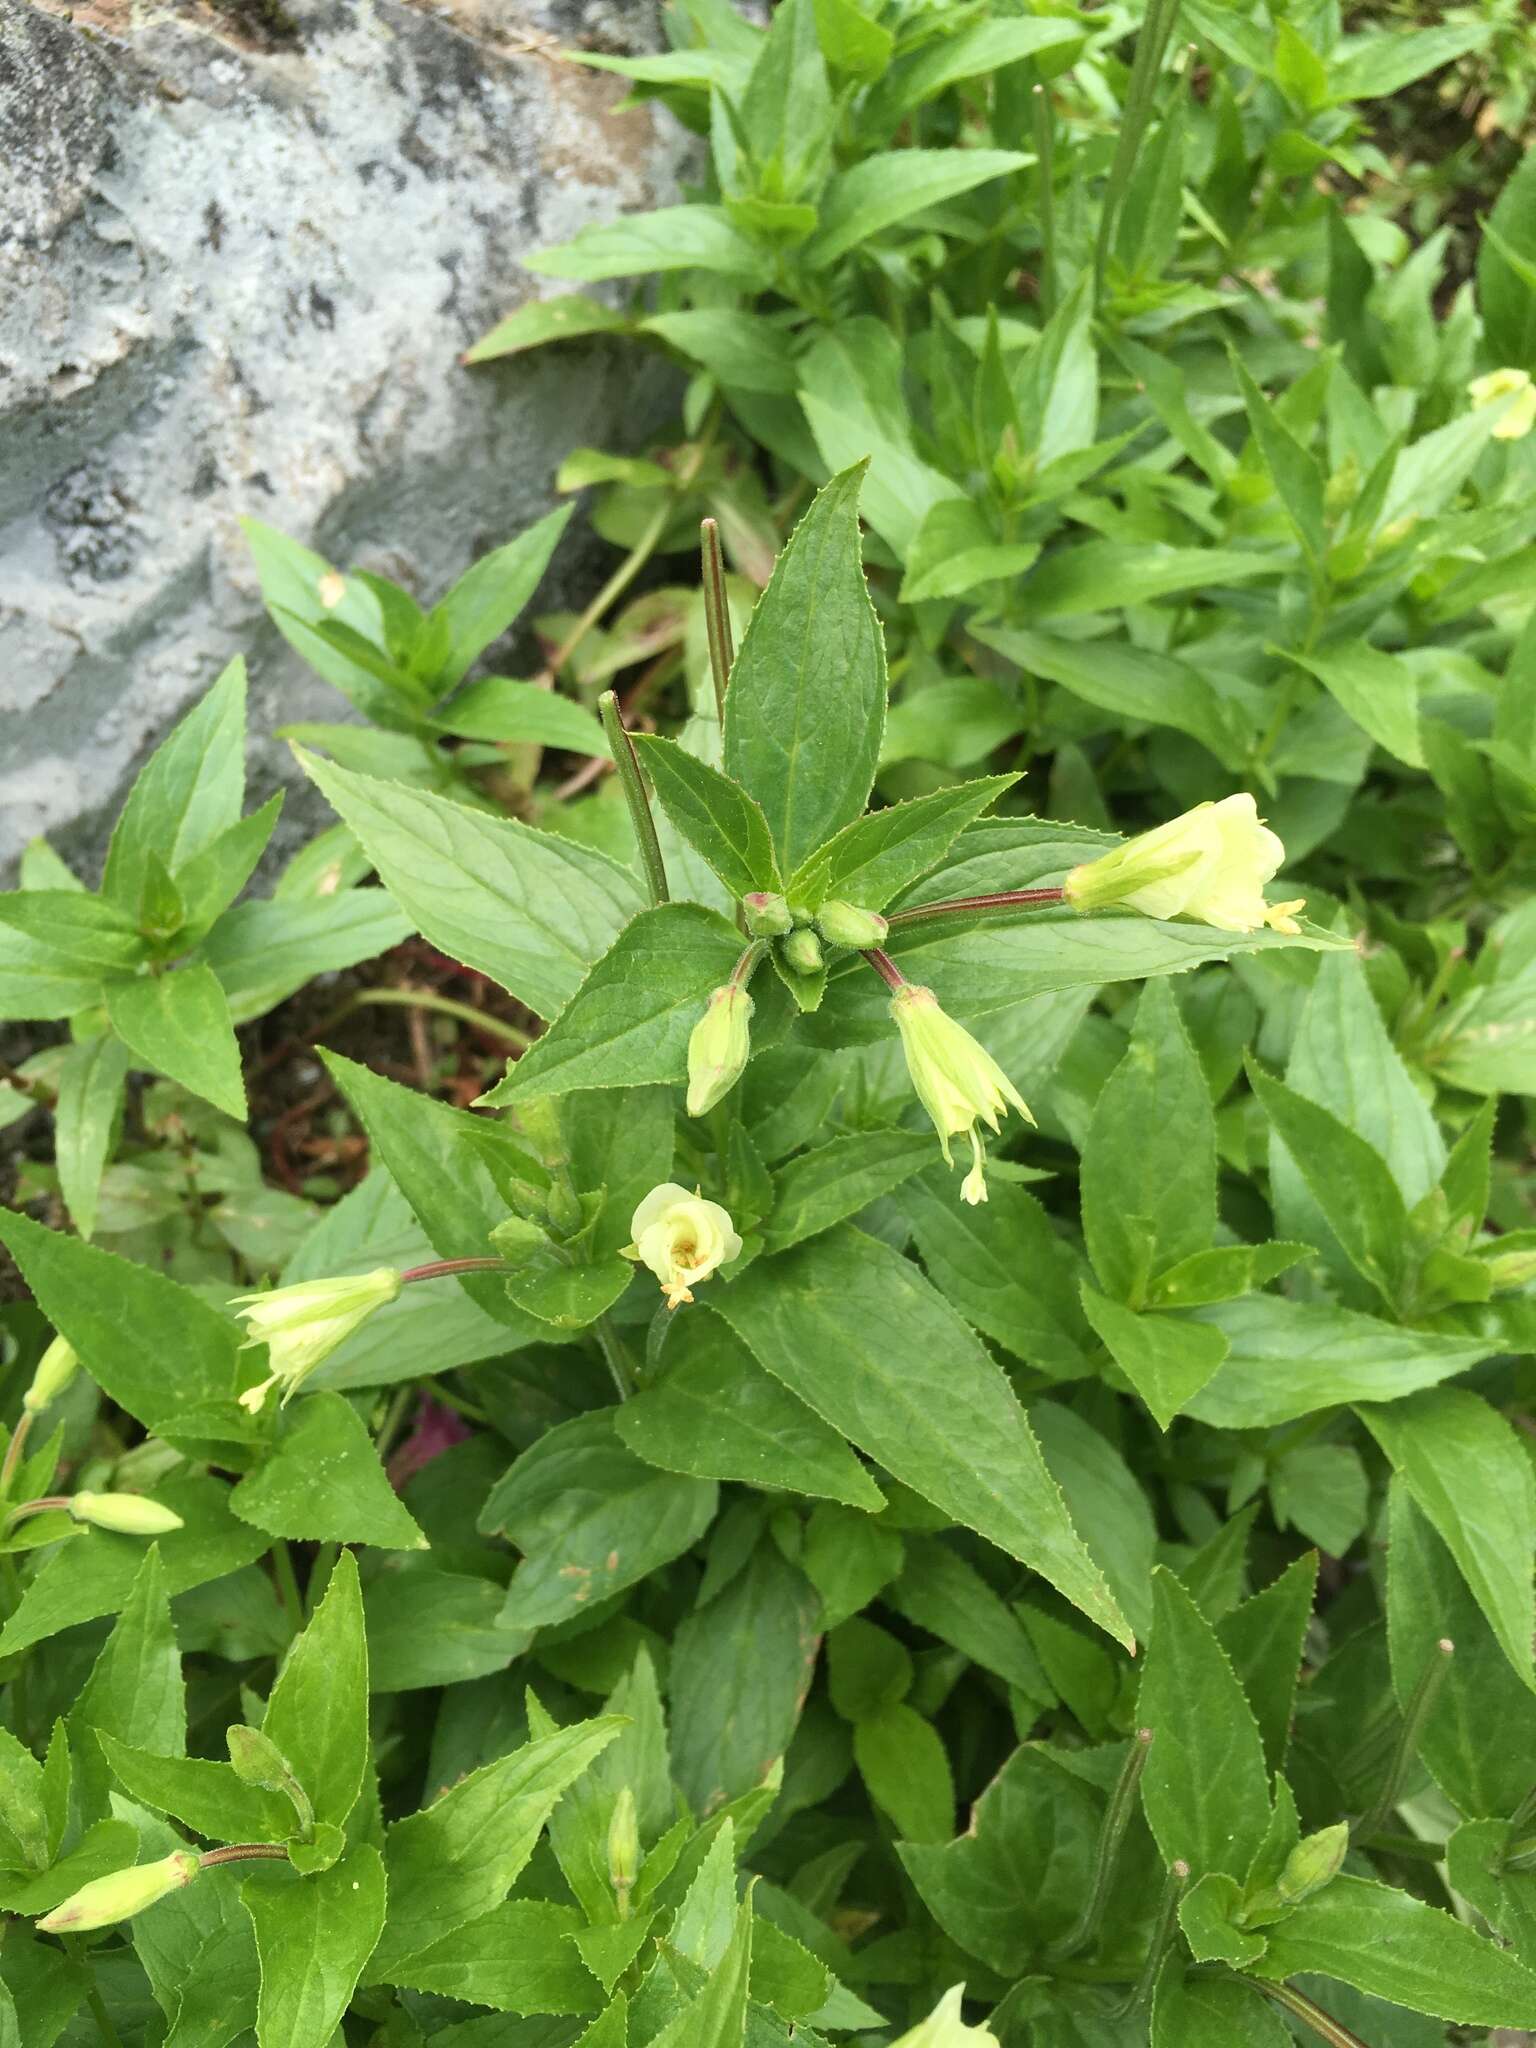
241	249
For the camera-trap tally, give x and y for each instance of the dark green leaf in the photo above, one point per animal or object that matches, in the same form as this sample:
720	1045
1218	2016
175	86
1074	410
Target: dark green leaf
318	1712
324	1483
1166	1358
713	813
876	857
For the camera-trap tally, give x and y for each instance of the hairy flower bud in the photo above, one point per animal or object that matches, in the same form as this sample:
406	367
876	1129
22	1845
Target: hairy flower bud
957	1080
1211	863
843	924
55	1369
128	1514
302	1325
256	1759
718	1047
623	1846
767	915
801	952
944	2028
682	1239
1314	1860
121	1894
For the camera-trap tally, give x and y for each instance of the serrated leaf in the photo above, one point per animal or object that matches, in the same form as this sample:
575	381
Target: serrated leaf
490	594
207	1796
1166	1358
187	793
834	1181
323	1482
90	1093
318	1711
714	814
876	857
179	1024
313	1936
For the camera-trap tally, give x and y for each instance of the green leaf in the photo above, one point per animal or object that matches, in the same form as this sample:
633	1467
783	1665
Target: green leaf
1190	2011
891	187
849	1297
1505	265
1378	65
324	1484
313	1936
1134	684
713	813
631	1018
1298	476
151	1345
1263	1637
1149	1159
436	1628
264	951
1289	1358
1005	1269
1396	1947
187	793
458	1858
878	856
489	596
179	1024
565	318
806	705
516	1958
318	1712
1475	1868
87	935
531	910
497	708
849	1557
1205	1787
135	1688
590	1518
670	238
207	1796
717	2017
740	1670
983	47
39	981
743	350
906	1772
1166	1358
838	1179
1470	1476
717	1415
943	1594
1101	575
90	1094
1428	1600
209	882
1379	692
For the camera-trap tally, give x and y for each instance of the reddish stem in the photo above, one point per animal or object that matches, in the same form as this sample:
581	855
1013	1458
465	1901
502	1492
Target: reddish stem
1007	899
885	967
244	1852
439	1269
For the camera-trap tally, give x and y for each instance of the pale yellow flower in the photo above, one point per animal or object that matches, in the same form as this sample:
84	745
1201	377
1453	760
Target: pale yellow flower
944	2028
682	1239
957	1080
1210	863
303	1324
1501	384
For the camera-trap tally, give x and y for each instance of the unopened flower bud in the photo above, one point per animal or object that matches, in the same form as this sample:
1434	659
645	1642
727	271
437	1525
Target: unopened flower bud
122	1894
767	915
1211	863
55	1369
1493	389
842	924
302	1325
1314	1860
944	2027
623	1847
127	1514
957	1080
682	1239
718	1047
256	1759
802	952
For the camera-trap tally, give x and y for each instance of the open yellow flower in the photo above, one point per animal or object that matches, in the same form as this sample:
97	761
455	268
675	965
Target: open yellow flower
302	1325
957	1080
1211	863
682	1239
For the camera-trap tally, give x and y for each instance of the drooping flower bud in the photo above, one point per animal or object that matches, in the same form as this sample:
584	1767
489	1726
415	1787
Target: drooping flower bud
128	1514
302	1325
682	1239
718	1047
1501	384
801	951
1211	863
843	924
957	1080
55	1369
767	915
121	1894
944	2028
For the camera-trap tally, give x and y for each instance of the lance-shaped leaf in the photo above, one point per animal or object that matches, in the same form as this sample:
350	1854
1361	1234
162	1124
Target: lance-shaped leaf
713	813
313	1935
318	1712
489	595
631	1018
876	857
187	793
179	1024
806	706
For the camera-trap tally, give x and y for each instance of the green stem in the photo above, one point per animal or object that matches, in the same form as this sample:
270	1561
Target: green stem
93	1998
13	1451
717	615
444	1006
1323	2024
1162	1934
1424	1695
1045	151
468	1409
287	1585
625	760
1117	1818
44	1504
615	1356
